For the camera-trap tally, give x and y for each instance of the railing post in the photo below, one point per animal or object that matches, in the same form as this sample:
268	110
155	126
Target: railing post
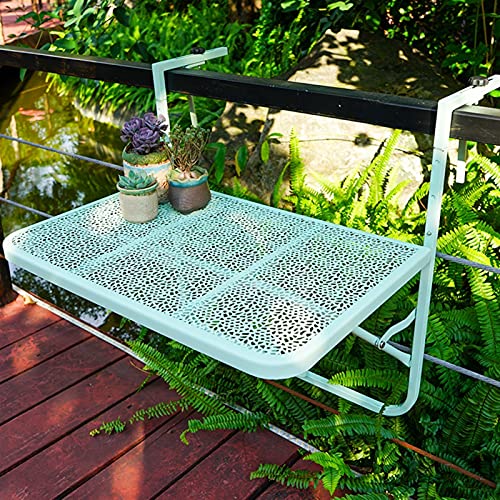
7	294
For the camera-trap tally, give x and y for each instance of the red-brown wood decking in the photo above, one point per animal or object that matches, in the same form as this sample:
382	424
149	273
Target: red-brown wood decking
57	383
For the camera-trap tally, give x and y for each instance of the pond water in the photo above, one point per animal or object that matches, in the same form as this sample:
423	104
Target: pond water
47	181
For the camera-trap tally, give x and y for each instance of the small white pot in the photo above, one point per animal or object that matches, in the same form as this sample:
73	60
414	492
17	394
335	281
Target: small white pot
139	205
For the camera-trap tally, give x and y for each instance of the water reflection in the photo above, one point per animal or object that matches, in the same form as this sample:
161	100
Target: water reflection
44	180
47	181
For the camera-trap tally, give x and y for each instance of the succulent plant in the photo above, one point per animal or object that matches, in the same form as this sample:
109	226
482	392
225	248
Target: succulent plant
136	180
144	135
185	149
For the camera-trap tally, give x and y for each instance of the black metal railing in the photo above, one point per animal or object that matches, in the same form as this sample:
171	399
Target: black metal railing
478	123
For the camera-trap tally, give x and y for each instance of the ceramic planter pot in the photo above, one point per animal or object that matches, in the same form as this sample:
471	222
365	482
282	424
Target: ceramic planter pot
186	196
139	205
151	164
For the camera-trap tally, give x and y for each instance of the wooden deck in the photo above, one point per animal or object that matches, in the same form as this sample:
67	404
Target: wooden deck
57	383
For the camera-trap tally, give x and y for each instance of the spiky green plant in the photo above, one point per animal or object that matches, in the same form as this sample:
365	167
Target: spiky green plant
185	149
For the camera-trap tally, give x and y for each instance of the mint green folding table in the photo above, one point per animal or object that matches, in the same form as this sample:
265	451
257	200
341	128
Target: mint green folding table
263	290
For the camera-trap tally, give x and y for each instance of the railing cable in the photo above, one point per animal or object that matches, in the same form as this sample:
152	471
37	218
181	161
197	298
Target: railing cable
29	209
452	367
466	262
66	153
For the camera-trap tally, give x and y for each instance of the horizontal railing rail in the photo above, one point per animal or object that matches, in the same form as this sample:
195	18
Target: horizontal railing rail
479	123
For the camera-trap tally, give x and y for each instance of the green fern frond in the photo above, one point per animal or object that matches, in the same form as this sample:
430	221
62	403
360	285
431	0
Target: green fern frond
475	417
379	168
348	425
462	319
113	427
449	240
368	483
492	446
435	397
240	191
246	422
366	496
475	255
488	234
330	461
334	468
353	185
427	490
491	168
284	405
178	380
330	189
464	211
159	410
414	206
300	479
367	377
488	314
393	194
146	380
473	192
278	189
296	164
388	457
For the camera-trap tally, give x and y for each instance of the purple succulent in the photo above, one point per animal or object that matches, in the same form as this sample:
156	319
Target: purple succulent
150	121
146	141
130	128
145	135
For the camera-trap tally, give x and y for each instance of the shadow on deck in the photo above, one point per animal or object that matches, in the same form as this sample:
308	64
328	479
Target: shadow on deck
57	383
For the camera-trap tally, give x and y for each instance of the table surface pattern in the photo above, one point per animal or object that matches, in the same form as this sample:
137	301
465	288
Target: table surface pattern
264	282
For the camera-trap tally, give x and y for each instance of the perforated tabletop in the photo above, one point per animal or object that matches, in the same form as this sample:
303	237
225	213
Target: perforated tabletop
266	291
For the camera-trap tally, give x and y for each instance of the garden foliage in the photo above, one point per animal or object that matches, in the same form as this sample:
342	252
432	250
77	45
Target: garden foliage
461	36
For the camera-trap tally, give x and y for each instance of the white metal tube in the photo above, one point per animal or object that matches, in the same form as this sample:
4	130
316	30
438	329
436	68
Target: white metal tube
388	349
159	69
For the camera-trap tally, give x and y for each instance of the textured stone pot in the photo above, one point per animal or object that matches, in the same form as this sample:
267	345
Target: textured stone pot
186	196
154	164
139	205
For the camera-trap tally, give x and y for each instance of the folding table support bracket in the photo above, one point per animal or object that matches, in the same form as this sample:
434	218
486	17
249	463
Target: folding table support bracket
446	106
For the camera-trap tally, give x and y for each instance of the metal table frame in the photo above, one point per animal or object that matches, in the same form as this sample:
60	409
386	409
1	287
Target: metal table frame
210	309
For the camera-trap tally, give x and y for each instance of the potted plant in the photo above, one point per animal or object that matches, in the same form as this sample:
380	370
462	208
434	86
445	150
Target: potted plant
138	196
145	149
188	189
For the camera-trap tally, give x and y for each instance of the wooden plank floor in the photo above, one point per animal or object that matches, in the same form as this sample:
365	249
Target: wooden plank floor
57	383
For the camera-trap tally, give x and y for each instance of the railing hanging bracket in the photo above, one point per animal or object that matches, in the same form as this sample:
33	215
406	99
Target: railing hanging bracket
189	61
